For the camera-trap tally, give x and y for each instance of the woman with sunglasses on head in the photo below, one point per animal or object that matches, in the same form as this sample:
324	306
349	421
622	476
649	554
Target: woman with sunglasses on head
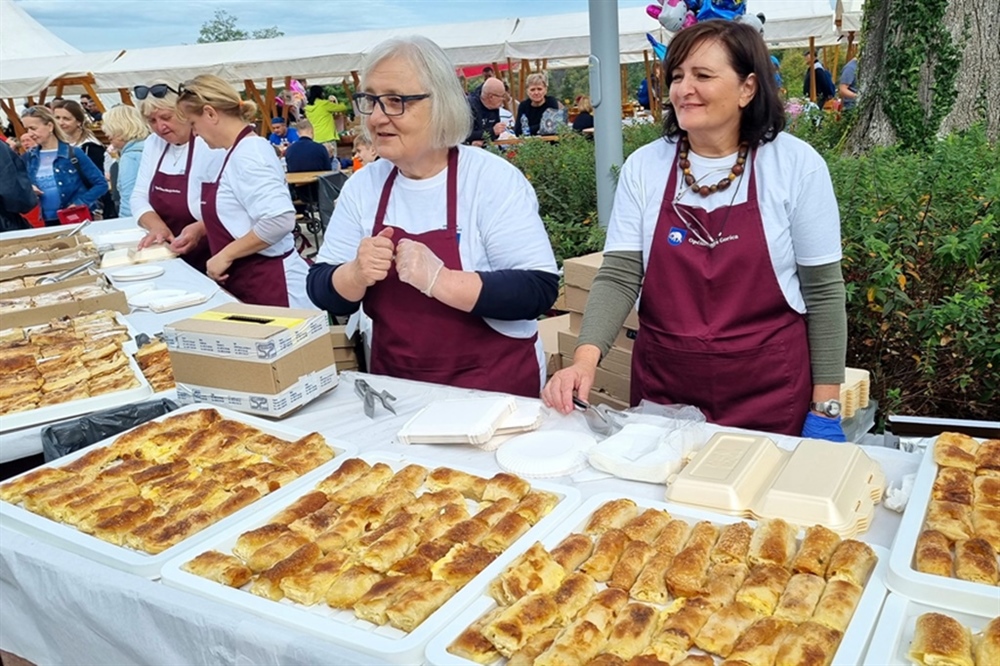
166	198
246	205
72	120
742	310
441	243
63	175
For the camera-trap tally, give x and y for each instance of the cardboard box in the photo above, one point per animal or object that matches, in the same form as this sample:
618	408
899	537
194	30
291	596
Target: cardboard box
601	398
114	300
611	383
338	335
307	389
626	337
548	331
618	361
90	277
52	240
344	355
580	271
45	262
576	301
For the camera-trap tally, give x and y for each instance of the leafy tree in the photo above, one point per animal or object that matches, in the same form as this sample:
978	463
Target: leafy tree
222	28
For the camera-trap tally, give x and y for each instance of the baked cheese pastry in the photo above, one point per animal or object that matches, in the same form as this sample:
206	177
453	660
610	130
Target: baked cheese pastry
391	547
491	512
633	630
397	520
799	599
471	644
607	659
686	574
303	506
724	627
647	525
815	551
535	646
986	491
249	542
758	645
773	542
374	604
114	524
409	478
462	563
430	503
690	660
853	561
602	608
536	505
573	551
310	587
316	522
219	567
576	644
986	524
533	571
954	449
976	561
733	544
988	458
763	587
953	484
933	554
413	607
723	581
607	551
441	522
270	554
634	557
610	515
649	584
367	484
507	530
672	539
526	616
987	644
808	644
505	485
940	640
837	603
351	585
349	471
572	595
679	628
469	485
467	531
951	519
382	506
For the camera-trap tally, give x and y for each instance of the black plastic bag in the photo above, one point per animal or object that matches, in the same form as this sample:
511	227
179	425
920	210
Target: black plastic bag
60	439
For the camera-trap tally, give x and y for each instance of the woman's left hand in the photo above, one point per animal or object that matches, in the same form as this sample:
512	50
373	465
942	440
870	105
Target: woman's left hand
218	267
823	427
188	238
417	265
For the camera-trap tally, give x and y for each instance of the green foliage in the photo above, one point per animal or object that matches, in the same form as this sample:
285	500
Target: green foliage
222	28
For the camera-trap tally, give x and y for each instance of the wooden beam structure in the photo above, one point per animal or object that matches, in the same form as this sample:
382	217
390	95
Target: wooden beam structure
268	111
9	107
284	107
254	95
812	69
126	96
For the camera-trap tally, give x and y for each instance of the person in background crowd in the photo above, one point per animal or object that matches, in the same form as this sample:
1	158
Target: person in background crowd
281	134
73	121
364	151
742	312
487	74
848	84
321	113
87	102
16	194
824	82
166	199
63	175
485	109
441	243
777	74
529	112
585	116
127	130
506	115
247	209
305	154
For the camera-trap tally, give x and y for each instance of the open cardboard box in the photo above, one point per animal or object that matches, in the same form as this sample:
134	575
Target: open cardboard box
113	300
52	261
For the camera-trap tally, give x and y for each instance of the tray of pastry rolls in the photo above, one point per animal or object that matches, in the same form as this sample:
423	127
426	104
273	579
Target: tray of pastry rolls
377	556
135	500
912	632
945	552
625	579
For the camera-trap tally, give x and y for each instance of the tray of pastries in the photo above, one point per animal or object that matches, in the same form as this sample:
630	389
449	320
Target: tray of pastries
946	548
135	500
68	367
378	555
625	581
154	361
911	632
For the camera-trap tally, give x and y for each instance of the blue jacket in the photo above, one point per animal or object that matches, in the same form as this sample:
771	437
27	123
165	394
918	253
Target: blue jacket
128	170
79	184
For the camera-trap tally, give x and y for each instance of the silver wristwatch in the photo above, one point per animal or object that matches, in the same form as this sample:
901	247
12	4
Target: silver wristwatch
829	408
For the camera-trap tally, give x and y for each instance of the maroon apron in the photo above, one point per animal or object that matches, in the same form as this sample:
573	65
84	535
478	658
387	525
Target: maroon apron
420	338
168	195
255	279
715	330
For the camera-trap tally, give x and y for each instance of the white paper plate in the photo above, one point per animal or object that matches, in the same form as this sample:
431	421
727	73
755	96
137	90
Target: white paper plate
546	453
145	298
133	273
122	238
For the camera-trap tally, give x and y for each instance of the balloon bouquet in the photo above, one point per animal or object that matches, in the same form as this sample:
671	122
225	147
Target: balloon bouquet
675	15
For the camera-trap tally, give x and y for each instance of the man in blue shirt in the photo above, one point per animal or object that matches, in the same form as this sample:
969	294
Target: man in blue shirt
281	133
305	154
825	91
848	84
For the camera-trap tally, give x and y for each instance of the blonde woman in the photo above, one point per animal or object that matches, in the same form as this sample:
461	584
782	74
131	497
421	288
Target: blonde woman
166	198
528	118
247	209
585	117
127	130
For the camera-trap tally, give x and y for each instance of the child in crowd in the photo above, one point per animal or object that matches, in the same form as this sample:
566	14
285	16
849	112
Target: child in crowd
364	152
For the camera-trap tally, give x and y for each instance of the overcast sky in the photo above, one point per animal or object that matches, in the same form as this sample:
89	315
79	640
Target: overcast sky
104	25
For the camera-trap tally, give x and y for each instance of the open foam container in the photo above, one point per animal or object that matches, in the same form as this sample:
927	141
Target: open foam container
463	421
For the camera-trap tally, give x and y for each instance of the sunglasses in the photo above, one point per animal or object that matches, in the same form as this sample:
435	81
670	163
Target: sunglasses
158	91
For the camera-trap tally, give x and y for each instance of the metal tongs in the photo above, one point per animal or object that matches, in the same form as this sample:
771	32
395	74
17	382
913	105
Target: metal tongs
600	418
80	227
65	275
368	395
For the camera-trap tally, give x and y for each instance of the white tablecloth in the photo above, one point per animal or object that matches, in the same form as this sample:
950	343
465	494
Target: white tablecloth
60	608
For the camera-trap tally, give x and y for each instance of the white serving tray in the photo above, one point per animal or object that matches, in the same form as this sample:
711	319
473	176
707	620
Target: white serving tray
951	593
65	410
851	649
144	564
388	644
898	622
463	421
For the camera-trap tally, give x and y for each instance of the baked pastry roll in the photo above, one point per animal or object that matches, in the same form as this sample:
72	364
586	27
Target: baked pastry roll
647	525
679	628
391	547
382	506
430	503
349	471
173	532
219	567
634	557
303	506
351	585
686	574
238	498
409	478
607	552
986	491
462	563
800	597
471	644
535	646
671	540
724	627
107	495
398	519
733	544
469	485
988	458
507	530
987	644
503	484
115	523
528	615
310	587
467	531
808	644
951	519
491	512
773	542
610	515
532	571
632	631
954	449
649	584
374	604
536	505
347	530
268	582
275	551
837	603
986	524
758	645
306	460
416	605
13	491
576	644
572	595
90	463
573	551
723	581
690	660
976	561
762	588
953	484
815	552
853	561
317	522
940	640
368	483
933	553
606	659
441	522
250	542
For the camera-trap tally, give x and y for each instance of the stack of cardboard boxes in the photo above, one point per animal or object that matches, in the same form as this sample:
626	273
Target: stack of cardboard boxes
344	351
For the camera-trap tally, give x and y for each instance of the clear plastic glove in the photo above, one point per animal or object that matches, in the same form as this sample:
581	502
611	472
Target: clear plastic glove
188	238
822	427
417	265
156	235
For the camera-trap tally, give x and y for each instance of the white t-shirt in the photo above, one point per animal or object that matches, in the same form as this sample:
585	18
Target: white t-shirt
794	192
498	223
206	161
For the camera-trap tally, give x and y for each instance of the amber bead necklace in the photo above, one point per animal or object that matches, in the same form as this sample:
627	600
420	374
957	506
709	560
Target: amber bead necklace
705	190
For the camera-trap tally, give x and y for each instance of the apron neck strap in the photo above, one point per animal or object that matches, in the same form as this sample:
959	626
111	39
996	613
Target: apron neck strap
246	131
452	193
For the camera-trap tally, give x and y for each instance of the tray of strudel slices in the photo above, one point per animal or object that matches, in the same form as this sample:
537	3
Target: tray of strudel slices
68	367
135	500
646	582
945	551
911	632
377	556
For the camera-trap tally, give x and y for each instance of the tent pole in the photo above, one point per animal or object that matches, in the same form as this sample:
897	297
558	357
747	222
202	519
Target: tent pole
41	95
605	91
88	85
254	95
510	83
284	107
653	99
31	100
10	109
269	99
125	96
525	68
59	89
812	69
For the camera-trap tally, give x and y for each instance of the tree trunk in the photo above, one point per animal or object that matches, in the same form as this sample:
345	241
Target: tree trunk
975	26
873	127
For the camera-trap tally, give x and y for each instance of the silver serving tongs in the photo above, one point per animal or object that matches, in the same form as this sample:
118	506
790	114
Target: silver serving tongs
599	418
65	275
368	395
80	227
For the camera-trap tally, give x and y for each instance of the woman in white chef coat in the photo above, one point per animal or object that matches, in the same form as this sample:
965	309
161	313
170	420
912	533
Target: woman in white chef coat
441	242
166	198
246	206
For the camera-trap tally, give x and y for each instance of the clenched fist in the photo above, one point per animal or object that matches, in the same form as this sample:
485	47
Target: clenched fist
374	258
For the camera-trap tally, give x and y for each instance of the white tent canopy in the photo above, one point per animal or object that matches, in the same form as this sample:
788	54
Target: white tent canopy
849	12
23	37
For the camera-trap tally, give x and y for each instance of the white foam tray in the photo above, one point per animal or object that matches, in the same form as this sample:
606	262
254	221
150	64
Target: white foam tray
388	644
898	622
66	410
951	593
463	421
851	649
145	564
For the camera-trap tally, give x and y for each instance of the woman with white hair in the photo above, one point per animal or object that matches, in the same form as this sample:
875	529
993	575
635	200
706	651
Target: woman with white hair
441	243
528	119
126	130
166	198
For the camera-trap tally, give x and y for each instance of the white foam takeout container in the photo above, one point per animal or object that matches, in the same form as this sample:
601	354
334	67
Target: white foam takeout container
388	644
851	648
145	564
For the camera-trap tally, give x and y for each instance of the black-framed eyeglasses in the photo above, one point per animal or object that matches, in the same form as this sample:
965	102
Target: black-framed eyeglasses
159	91
391	105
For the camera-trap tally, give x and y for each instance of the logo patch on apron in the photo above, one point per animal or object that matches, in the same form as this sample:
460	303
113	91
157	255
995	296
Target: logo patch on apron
676	236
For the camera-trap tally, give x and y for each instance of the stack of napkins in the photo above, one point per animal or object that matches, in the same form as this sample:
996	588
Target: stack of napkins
127	256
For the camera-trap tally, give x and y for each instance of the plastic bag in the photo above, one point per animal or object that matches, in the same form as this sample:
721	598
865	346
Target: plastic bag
60	439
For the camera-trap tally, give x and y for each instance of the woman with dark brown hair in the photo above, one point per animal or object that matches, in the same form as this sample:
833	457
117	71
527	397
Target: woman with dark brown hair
72	121
731	228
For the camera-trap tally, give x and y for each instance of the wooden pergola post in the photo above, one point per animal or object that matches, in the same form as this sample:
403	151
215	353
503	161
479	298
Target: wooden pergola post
812	69
510	84
284	107
522	86
850	46
653	99
10	109
125	96
269	111
253	94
